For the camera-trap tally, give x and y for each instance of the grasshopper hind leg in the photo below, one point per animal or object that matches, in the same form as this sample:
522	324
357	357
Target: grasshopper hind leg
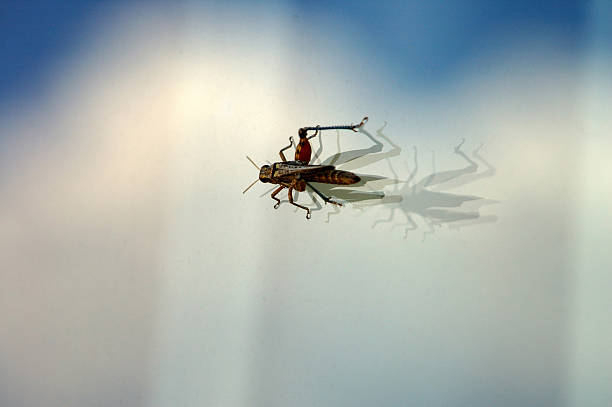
290	194
325	198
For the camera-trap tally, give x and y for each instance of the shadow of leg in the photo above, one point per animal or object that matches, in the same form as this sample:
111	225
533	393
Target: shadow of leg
386	220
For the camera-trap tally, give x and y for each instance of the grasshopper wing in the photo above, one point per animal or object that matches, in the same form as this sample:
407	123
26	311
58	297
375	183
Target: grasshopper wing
293	168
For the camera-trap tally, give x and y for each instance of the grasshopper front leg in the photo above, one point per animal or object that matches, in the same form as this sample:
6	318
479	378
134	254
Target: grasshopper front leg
282	156
273	196
298	205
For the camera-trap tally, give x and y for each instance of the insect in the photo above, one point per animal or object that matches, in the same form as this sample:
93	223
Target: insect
298	174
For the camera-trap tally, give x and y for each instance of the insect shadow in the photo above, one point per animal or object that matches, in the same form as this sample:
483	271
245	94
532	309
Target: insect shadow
428	199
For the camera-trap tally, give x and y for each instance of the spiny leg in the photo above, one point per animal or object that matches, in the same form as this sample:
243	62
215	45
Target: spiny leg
316	132
273	196
290	194
297	198
282	156
318	206
326	199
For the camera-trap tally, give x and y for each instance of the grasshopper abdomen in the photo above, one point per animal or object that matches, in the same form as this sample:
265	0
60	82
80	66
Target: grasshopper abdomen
337	177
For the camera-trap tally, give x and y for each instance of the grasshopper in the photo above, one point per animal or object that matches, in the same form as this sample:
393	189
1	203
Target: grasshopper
298	174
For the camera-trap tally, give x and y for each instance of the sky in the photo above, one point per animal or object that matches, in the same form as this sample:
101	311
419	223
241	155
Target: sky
133	271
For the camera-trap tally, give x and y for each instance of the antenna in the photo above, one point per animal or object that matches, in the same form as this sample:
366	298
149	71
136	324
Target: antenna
254	182
249	187
252	162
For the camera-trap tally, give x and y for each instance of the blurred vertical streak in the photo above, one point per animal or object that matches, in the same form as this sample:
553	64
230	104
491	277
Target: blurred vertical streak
590	369
82	222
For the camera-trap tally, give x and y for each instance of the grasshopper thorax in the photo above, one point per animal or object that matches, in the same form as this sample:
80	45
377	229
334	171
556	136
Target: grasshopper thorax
265	173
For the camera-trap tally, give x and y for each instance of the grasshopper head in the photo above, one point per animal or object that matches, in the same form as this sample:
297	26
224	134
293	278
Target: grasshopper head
265	173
